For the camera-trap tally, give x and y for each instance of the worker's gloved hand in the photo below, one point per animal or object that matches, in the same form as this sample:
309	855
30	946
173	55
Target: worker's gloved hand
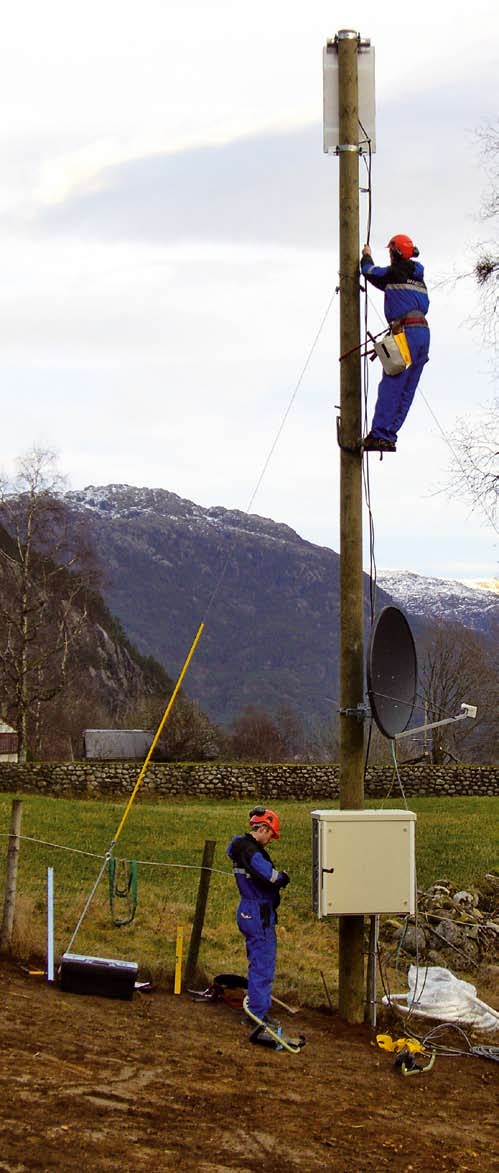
284	880
366	251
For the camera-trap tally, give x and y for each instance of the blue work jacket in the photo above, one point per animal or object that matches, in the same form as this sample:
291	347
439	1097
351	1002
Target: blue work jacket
254	872
403	286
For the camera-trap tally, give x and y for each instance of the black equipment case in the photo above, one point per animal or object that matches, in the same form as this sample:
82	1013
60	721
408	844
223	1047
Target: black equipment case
97	975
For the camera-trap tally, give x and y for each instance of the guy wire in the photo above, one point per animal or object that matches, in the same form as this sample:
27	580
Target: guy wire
201	625
274	443
489	516
89	900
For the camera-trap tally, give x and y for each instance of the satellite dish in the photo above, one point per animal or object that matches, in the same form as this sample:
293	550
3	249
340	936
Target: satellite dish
392	671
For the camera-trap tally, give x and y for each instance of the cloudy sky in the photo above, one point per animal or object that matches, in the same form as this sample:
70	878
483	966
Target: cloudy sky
169	240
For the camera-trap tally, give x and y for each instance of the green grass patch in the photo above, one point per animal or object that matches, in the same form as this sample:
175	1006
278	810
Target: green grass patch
455	839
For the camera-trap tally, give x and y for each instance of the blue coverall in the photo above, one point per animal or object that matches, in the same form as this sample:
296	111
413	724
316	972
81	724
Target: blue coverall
259	885
406	296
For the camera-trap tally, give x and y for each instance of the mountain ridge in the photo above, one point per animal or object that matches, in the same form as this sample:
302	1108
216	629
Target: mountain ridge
449	600
272	598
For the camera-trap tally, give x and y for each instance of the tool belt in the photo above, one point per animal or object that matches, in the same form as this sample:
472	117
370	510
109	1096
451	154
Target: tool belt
413	318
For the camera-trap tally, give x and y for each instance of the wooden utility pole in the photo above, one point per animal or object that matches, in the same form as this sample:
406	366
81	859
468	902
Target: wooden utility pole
351	928
9	907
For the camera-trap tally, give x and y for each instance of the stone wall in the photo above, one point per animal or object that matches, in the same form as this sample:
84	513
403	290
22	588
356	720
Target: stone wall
218	780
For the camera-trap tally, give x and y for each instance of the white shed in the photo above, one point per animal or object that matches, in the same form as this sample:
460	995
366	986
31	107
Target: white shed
117	744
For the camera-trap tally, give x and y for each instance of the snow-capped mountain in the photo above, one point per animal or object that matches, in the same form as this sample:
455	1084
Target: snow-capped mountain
122	502
439	599
273	598
484	584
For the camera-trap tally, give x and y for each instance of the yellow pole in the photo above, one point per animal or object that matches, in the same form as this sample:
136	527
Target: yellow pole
177	989
159	731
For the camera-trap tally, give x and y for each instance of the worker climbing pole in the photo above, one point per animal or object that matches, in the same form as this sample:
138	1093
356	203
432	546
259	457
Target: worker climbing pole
406	306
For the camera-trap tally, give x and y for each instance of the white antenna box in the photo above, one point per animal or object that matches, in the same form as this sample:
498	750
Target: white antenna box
367	99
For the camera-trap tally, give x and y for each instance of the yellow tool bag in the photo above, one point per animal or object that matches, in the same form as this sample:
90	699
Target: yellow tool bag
393	352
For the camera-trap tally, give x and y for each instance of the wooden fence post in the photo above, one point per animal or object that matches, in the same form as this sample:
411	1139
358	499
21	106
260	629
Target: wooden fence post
197	924
9	904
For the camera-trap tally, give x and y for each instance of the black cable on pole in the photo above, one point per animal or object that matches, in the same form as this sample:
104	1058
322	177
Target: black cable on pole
365	380
368	189
365	463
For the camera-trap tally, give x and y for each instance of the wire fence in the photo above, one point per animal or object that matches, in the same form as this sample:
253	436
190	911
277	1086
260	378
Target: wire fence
167	842
454	837
166	893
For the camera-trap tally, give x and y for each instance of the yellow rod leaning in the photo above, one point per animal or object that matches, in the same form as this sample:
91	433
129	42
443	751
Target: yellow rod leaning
159	730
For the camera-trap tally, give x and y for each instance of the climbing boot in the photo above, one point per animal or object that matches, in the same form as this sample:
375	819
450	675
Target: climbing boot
372	443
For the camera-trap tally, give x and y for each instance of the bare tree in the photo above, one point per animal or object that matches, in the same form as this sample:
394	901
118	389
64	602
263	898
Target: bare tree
188	734
475	440
476	475
58	734
486	266
256	736
458	667
292	731
46	570
321	739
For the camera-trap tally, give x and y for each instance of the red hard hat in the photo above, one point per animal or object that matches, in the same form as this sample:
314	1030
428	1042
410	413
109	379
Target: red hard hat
403	245
262	816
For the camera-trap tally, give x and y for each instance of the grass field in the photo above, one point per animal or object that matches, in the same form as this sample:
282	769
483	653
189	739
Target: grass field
455	838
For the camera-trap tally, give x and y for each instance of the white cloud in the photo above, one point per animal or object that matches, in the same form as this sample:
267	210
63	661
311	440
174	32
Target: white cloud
169	246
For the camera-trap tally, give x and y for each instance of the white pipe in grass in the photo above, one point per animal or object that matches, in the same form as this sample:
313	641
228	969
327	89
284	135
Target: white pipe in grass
50	924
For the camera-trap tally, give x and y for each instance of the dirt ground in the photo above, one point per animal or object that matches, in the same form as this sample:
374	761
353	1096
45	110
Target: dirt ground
163	1082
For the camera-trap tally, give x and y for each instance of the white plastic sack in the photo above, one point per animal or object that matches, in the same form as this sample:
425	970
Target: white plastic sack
435	992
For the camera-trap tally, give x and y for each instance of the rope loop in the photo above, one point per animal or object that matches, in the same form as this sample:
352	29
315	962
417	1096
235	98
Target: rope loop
123	886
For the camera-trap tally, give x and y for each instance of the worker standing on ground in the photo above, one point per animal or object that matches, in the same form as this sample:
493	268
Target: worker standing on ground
260	885
406	304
